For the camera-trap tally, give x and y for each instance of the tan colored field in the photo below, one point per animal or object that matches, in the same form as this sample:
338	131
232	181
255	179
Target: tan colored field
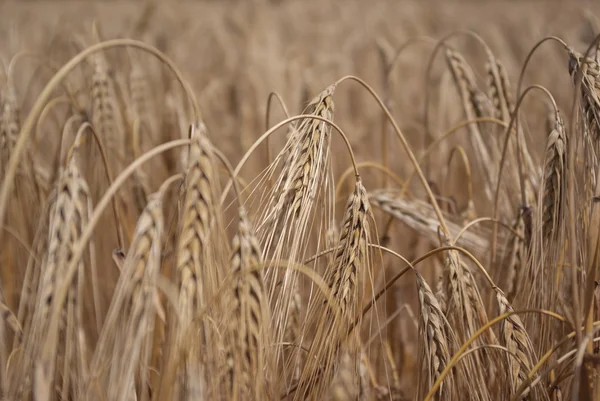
413	213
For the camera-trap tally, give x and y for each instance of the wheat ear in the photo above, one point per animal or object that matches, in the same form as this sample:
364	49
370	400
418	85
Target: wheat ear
247	327
351	262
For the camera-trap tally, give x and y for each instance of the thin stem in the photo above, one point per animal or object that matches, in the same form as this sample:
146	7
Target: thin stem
229	170
431	147
375	165
45	63
442	43
446	134
168	182
22	242
267	119
528	58
389	68
43	115
484	219
406	146
3	72
465	160
497	347
400	50
389	320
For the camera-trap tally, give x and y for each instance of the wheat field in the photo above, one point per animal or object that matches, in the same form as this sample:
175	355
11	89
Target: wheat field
299	200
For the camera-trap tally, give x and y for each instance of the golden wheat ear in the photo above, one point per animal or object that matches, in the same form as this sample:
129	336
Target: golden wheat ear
105	110
485	153
434	344
515	338
420	216
554	179
498	89
590	101
544	269
500	93
141	267
516	257
201	249
68	218
123	353
350	264
246	369
9	126
200	217
466	312
300	200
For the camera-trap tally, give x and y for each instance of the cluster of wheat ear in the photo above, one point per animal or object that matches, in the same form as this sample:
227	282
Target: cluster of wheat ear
140	263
